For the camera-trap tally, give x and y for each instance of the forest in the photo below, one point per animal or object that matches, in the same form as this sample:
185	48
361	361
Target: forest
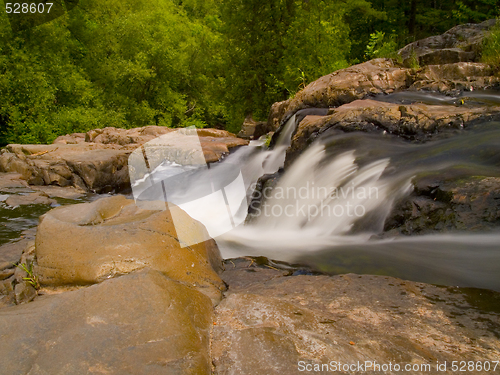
206	63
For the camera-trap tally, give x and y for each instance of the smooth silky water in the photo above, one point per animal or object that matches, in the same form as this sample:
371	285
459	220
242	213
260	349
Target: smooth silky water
330	205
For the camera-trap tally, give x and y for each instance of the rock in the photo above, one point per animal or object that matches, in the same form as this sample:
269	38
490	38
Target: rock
6	301
414	122
242	273
74	138
91	167
7	286
461	43
252	129
453	78
91	242
60	192
11	253
262	191
439	204
343	86
143	323
24	292
336	89
6	273
99	162
275	325
9	181
449	64
28	199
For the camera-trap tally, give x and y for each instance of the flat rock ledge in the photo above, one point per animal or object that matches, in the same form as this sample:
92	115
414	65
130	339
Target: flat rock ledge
142	323
275	323
274	318
97	161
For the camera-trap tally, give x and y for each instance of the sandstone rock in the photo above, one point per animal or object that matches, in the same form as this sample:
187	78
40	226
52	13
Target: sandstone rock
449	64
24	292
461	43
11	253
91	242
143	323
7	286
6	273
268	327
452	78
59	192
276	114
28	199
92	167
74	138
346	85
252	129
414	122
10	181
99	162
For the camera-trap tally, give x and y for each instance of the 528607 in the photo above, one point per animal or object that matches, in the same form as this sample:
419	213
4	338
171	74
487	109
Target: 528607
28	7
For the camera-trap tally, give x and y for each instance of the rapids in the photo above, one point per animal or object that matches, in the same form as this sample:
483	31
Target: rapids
329	207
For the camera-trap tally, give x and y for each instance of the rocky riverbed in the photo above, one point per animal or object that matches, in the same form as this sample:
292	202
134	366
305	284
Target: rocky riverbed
104	286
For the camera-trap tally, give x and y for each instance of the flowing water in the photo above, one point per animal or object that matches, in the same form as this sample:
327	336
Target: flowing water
328	207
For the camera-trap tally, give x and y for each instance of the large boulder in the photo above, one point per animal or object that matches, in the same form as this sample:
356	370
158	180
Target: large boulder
92	242
142	323
461	43
343	86
276	325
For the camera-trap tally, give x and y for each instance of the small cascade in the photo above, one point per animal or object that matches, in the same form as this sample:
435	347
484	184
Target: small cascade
329	207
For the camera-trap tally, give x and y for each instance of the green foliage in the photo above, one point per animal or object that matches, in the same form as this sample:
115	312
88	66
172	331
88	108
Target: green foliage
417	19
277	47
268	140
133	63
413	61
491	46
381	46
108	63
31	278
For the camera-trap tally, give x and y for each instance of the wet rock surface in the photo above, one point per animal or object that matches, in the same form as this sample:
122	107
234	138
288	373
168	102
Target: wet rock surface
415	122
437	205
359	99
28	199
269	322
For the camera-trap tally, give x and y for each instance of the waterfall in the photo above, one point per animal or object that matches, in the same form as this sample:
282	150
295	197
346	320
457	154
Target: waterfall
331	203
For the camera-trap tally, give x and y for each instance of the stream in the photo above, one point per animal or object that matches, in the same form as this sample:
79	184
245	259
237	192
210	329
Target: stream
330	205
